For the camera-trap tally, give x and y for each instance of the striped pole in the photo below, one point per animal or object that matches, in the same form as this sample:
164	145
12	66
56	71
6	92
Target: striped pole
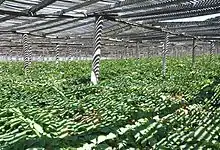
148	52
25	52
75	54
217	47
165	49
212	50
97	49
30	53
10	54
17	56
65	53
127	50
80	54
57	52
9	58
86	53
137	50
68	54
43	54
193	51
47	54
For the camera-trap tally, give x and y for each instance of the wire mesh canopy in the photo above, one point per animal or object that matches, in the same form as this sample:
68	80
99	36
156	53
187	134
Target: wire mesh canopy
133	20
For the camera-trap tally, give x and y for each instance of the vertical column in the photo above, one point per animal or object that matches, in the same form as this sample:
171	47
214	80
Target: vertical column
175	51
212	46
57	52
165	49
126	51
71	53
181	51
17	56
137	50
68	54
10	54
193	51
111	53
204	49
30	53
80	54
7	55
85	53
172	53
116	53
97	49
149	51
43	54
199	51
217	48
25	52
47	55
75	54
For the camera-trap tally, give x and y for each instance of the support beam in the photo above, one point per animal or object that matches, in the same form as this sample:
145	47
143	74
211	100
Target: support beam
193	51
127	52
165	49
30	53
68	54
2	1
57	53
40	6
97	49
42	55
80	54
212	46
27	12
17	56
137	50
25	52
217	48
10	54
7	55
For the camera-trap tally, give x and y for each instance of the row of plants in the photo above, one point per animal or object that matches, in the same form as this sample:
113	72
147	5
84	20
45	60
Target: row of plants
55	106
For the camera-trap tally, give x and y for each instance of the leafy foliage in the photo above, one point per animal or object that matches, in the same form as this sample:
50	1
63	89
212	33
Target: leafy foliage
56	107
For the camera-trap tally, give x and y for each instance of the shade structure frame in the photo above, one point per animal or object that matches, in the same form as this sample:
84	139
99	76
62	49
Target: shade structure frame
57	49
97	49
26	53
193	51
164	53
212	46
